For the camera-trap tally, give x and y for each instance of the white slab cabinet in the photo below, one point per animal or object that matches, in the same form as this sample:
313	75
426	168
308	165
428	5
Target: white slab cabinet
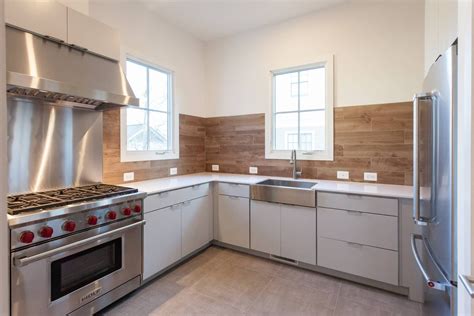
174	231
286	231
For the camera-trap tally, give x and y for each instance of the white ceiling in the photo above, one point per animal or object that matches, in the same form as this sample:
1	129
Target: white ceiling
212	19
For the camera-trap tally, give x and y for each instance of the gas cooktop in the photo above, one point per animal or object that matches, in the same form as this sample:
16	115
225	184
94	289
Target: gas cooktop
60	197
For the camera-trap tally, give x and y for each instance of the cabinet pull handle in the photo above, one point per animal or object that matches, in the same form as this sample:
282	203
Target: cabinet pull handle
233	197
355	197
358	213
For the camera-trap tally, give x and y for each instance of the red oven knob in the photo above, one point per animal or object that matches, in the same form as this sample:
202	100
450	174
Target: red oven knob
137	208
92	220
69	226
27	237
46	232
111	215
127	211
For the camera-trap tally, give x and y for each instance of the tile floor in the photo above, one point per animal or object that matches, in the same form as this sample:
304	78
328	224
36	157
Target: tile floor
224	282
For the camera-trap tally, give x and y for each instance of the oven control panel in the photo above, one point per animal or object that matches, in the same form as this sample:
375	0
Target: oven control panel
48	229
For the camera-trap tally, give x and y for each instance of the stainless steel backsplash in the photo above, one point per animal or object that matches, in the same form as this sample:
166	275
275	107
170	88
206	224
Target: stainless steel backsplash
52	147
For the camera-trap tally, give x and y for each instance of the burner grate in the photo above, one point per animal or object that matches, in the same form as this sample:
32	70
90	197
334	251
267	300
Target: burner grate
60	197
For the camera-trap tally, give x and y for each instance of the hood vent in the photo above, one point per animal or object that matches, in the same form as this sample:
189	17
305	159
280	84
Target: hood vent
55	72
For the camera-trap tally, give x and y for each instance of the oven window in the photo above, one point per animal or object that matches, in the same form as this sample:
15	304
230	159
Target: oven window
71	273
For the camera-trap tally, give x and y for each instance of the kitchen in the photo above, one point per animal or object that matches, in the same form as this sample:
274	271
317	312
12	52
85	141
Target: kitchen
236	157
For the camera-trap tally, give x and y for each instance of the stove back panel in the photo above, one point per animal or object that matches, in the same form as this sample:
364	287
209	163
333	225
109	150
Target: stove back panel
52	147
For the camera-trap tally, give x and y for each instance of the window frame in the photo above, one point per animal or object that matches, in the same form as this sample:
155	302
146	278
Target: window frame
173	121
328	153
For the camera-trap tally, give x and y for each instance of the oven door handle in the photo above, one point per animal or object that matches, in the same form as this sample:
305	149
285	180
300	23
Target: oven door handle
21	262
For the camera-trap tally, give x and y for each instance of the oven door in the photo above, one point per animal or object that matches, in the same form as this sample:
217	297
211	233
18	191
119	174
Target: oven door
60	276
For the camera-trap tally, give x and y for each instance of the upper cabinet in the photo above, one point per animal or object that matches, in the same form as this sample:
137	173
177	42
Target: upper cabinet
52	19
46	18
88	33
441	28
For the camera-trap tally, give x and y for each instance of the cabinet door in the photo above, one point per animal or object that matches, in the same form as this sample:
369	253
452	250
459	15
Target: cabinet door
233	220
265	227
298	233
195	223
89	33
162	239
47	18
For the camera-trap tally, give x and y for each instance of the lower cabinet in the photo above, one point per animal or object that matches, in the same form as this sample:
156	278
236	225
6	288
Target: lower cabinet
298	233
195	224
173	232
162	239
232	220
284	230
265	229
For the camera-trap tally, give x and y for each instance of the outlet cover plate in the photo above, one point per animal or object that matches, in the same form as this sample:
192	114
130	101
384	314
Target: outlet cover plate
370	176
253	170
128	176
215	167
173	171
344	175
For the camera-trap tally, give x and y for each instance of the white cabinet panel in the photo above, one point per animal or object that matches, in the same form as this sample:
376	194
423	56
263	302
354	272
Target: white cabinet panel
162	239
164	199
362	203
233	220
298	233
195	223
265	227
234	189
43	17
363	228
89	33
365	261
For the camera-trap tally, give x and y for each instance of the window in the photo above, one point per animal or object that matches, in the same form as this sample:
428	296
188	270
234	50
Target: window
301	116
149	132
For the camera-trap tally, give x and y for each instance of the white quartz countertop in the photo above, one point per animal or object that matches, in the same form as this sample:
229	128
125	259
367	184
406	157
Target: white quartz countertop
176	182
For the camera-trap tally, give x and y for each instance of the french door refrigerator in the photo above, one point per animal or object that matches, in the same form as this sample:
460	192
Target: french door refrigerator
434	169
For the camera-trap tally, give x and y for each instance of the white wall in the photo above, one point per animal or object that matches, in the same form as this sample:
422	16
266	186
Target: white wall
147	37
378	56
78	5
4	246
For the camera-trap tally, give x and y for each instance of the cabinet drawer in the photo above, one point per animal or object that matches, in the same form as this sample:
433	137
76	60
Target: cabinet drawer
362	203
363	228
234	189
164	199
365	261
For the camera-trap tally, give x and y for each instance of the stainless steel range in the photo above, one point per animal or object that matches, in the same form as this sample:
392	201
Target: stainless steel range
76	244
74	250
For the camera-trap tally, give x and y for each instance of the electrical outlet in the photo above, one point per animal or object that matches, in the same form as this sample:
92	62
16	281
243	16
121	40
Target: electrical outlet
343	175
370	176
215	167
253	170
129	176
173	171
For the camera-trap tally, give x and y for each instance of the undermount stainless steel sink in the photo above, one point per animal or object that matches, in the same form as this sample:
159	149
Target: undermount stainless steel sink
284	191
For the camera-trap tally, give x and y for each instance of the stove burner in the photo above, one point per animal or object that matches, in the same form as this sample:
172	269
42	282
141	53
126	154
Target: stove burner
60	197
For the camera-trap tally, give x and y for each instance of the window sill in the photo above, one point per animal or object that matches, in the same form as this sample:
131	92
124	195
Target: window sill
300	155
147	156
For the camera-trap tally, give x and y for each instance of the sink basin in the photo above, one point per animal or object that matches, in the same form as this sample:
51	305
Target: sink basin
288	183
285	192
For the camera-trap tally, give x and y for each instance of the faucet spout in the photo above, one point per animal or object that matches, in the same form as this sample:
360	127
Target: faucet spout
293	161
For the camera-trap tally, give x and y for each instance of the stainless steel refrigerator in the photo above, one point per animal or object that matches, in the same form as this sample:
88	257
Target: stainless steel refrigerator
434	170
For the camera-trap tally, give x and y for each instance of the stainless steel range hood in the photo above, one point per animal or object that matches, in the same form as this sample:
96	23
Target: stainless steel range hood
55	72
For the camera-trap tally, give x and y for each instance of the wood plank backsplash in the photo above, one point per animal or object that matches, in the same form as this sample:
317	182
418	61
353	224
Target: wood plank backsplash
192	135
375	138
370	138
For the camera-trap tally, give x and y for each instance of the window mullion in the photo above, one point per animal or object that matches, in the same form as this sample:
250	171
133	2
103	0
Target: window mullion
148	108
299	128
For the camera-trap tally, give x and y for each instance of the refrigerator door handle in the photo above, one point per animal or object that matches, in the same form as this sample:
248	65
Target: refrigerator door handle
467	281
431	283
416	157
